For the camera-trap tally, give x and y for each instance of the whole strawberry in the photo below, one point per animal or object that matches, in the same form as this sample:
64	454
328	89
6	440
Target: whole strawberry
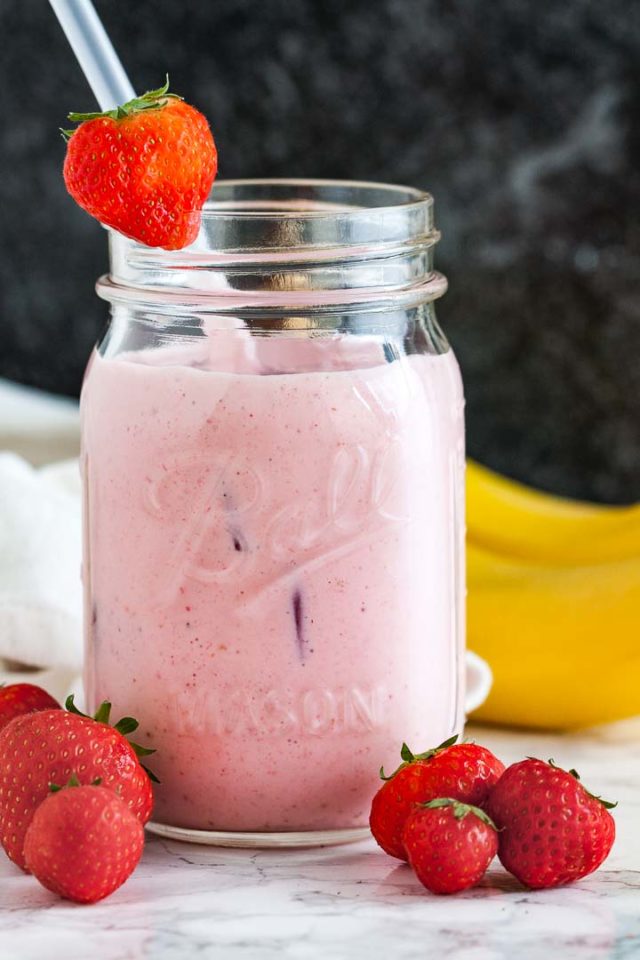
145	168
464	771
19	698
83	843
449	844
553	831
49	747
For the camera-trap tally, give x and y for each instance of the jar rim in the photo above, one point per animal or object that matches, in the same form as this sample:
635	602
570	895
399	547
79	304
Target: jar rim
396	196
290	242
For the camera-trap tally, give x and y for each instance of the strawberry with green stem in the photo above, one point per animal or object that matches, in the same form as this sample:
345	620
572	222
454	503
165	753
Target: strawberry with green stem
552	830
125	726
83	842
144	169
449	844
464	771
49	747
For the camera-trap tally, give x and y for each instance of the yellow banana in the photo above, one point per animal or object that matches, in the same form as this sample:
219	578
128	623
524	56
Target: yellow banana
553	604
515	520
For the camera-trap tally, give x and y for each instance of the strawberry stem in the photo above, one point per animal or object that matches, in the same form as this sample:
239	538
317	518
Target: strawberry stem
409	757
151	100
460	810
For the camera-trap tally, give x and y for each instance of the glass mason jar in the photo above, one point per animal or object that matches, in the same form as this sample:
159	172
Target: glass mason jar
273	457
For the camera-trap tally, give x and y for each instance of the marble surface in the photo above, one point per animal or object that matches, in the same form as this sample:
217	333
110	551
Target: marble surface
348	902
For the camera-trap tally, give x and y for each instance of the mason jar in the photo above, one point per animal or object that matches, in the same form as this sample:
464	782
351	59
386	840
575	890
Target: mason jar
273	457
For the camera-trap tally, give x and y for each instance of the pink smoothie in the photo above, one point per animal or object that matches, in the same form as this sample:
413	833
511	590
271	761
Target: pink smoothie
272	570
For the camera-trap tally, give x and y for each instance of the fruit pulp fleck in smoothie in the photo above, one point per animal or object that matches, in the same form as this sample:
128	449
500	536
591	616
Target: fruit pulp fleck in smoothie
272	570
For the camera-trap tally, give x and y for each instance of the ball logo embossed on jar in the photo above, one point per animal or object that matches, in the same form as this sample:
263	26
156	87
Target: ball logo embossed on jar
237	518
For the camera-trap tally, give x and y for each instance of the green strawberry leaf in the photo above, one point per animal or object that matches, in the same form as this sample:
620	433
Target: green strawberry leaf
71	782
408	756
460	810
124	726
151	100
150	773
141	751
103	712
71	707
607	804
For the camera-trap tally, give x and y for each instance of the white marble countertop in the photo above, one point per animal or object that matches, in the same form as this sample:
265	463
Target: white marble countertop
350	902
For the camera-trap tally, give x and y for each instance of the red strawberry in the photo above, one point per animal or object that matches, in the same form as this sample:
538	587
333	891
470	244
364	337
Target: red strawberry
449	844
145	168
464	771
83	843
19	698
553	831
48	747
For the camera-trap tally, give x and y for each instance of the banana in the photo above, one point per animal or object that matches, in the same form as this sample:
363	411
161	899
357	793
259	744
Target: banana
553	604
509	518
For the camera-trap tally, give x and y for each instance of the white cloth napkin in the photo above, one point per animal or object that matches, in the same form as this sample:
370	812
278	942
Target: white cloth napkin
40	590
38	426
40	595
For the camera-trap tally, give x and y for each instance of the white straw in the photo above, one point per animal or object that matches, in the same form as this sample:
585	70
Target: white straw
94	51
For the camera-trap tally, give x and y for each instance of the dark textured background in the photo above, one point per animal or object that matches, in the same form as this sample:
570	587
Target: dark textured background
518	116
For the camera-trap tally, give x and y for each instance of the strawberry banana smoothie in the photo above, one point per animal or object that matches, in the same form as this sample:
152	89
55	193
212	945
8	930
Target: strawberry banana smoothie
272	569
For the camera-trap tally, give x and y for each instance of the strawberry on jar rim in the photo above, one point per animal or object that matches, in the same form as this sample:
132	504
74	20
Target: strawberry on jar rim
144	169
464	771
